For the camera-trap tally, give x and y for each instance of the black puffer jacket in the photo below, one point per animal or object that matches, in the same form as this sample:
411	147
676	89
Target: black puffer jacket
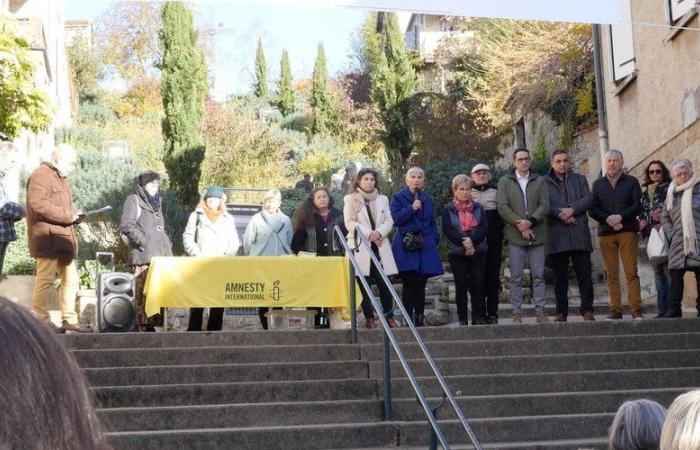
145	229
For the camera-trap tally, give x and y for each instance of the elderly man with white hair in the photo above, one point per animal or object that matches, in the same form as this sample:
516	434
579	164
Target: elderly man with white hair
52	239
616	204
681	224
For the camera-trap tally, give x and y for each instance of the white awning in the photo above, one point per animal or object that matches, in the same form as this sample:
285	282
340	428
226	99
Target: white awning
587	11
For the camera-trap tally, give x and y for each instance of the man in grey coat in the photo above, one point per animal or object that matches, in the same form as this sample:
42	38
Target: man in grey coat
569	238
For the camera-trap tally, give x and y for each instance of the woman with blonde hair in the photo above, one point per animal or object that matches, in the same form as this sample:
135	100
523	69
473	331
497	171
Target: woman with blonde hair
269	233
681	430
415	244
367	211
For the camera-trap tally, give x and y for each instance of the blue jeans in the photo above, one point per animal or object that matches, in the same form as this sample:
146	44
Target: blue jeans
662	281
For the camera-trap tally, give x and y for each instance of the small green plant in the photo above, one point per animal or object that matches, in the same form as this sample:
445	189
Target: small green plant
87	274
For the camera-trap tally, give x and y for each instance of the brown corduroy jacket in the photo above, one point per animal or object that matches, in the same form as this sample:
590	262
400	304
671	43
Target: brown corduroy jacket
50	215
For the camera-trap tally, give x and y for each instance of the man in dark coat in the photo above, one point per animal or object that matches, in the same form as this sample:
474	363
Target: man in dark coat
51	234
143	226
616	204
569	238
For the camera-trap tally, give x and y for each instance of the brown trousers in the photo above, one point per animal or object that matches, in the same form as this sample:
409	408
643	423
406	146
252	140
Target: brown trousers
623	246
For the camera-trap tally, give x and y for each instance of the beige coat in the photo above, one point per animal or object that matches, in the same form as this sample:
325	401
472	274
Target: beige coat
355	216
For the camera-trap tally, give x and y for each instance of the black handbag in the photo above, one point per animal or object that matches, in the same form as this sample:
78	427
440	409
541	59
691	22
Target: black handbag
412	241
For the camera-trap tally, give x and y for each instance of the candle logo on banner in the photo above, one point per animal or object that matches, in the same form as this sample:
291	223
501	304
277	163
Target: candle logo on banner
276	294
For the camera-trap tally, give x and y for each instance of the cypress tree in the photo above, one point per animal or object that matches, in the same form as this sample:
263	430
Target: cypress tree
394	80
285	92
260	84
183	88
322	102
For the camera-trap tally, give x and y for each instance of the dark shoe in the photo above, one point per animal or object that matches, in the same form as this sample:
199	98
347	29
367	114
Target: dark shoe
542	317
637	315
370	323
588	316
57	330
492	320
76	328
149	328
614	316
560	318
392	322
517	320
420	320
673	314
478	321
463	323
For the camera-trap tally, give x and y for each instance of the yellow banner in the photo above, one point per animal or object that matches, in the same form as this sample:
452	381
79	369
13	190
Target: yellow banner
247	281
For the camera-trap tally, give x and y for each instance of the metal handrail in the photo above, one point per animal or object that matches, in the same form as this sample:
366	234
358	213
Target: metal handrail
389	335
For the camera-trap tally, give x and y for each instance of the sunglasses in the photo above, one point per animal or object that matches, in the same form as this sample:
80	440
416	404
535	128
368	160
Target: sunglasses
652	172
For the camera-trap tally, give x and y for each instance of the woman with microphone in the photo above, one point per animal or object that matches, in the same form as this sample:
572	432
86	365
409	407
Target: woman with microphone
415	244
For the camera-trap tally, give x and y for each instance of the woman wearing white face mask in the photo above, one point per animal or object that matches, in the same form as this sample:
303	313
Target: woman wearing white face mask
143	227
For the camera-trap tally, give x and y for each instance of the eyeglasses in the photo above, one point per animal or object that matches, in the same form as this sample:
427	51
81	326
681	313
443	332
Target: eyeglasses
652	172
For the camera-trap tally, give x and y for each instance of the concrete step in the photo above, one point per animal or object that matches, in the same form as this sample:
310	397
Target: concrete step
564	362
544	382
222	373
348	352
369	410
461	385
540	346
257	338
365	435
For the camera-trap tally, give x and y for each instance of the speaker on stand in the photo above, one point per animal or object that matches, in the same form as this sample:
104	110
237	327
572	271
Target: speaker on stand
116	311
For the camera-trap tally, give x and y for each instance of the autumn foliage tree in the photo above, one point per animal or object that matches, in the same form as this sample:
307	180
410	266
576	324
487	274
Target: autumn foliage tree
183	87
22	104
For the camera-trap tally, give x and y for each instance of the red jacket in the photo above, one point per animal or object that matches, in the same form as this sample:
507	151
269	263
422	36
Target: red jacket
50	215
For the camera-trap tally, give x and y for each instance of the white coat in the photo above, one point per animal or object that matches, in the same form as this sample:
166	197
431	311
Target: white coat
355	219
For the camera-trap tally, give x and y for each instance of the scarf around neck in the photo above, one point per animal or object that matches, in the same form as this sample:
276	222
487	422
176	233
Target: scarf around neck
467	221
368	198
153	200
689	242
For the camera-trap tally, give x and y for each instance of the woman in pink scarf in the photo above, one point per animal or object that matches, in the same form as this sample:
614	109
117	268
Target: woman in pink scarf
464	225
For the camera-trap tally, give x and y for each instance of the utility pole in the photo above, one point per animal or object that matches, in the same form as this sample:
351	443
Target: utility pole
600	96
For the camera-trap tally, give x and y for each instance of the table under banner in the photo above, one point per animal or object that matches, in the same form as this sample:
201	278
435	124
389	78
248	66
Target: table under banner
248	281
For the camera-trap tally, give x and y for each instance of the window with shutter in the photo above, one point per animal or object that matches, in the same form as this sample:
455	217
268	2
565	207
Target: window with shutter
622	44
678	8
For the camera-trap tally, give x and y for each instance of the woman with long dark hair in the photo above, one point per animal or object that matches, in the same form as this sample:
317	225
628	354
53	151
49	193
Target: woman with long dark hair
367	211
657	178
314	222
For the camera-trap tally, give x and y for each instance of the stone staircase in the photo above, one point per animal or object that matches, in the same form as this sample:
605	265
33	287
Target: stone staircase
531	386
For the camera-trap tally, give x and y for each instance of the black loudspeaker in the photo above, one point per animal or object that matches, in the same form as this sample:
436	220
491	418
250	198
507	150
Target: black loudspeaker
116	310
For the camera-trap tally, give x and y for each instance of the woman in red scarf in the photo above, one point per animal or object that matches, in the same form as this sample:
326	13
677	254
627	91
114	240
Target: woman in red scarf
464	225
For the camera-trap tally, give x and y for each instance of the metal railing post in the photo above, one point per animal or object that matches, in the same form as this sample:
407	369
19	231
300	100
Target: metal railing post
388	410
353	307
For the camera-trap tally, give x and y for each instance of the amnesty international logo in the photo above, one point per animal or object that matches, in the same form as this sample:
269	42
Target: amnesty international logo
276	293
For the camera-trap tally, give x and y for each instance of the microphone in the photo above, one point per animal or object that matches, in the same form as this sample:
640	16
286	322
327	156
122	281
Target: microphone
416	195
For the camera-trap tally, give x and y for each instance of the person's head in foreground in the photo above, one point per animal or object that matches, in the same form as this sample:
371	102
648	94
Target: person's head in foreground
681	430
637	426
44	401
